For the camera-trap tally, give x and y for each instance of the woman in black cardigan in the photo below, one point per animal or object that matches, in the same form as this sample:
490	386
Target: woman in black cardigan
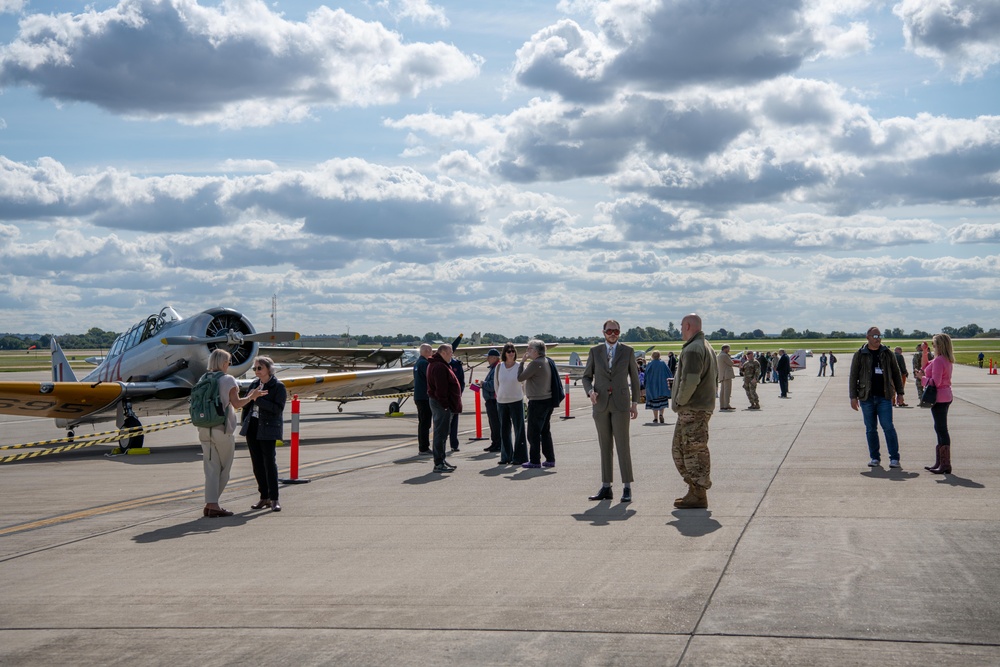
263	423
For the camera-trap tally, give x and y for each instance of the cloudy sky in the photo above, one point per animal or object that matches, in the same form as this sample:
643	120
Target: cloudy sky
403	166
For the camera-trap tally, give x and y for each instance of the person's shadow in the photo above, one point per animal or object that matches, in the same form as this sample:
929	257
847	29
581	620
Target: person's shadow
427	478
893	474
604	512
530	473
954	480
201	525
694	522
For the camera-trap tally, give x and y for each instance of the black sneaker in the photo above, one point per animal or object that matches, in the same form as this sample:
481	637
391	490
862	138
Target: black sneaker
442	468
449	466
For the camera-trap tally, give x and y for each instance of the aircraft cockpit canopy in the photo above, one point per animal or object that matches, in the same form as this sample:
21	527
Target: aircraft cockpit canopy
143	330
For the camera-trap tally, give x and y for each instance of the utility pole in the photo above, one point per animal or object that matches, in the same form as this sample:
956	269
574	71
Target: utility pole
274	312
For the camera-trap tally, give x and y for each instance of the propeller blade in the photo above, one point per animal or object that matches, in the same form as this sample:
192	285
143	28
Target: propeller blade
192	340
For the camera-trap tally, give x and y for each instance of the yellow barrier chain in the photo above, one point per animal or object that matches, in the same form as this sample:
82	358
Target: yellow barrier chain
88	441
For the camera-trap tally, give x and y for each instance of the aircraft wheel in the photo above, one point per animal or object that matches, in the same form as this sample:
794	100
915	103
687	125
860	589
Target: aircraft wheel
135	440
393	407
70	434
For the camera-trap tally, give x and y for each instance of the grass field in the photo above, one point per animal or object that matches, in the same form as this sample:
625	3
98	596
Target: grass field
966	351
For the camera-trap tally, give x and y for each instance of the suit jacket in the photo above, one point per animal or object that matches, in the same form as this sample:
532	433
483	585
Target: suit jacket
725	363
612	384
784	365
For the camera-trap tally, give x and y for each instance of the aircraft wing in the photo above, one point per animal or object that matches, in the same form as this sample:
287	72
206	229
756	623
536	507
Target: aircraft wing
58	400
84	402
79	402
332	358
350	385
574	371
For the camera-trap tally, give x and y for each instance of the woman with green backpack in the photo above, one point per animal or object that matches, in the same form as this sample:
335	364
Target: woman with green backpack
218	442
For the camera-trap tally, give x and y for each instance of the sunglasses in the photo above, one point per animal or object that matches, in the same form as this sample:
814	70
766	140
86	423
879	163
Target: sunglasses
876	335
612	332
260	368
510	351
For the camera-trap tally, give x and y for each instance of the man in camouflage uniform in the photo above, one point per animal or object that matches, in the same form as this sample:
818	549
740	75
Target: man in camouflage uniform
694	401
751	371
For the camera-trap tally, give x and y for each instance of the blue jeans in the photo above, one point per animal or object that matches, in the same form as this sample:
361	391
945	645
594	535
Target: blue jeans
879	408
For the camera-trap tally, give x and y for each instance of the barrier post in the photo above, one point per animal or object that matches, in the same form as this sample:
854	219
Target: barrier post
479	412
567	415
294	455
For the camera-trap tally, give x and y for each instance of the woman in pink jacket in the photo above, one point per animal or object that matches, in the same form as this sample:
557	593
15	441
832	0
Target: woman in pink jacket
937	372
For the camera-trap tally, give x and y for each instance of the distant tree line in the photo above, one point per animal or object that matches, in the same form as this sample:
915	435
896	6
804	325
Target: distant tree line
95	339
968	331
98	339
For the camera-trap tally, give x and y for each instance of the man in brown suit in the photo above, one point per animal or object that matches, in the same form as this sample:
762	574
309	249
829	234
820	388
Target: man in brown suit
611	380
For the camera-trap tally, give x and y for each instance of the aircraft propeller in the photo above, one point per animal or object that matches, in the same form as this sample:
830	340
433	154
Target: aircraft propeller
231	337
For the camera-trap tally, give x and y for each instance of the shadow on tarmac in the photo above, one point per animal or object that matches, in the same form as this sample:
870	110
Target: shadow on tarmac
892	475
428	478
201	525
954	480
603	513
694	523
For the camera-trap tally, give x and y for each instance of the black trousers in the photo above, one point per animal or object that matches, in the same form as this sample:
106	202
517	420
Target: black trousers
939	411
424	419
539	433
783	383
265	467
442	424
493	416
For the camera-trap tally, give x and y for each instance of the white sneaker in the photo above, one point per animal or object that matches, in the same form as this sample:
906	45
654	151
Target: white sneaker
893	463
874	463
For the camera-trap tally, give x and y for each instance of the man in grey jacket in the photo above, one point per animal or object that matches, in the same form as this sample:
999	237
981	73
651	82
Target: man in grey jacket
694	401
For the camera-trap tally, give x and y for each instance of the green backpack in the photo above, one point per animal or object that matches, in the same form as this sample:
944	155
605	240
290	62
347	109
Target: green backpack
206	406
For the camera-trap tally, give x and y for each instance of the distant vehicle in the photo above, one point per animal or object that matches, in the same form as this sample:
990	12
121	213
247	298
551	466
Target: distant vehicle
809	353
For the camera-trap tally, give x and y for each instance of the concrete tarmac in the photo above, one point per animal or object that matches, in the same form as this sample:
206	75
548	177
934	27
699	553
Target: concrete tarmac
805	557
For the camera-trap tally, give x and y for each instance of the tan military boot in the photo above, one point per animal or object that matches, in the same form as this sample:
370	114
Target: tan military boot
698	501
679	502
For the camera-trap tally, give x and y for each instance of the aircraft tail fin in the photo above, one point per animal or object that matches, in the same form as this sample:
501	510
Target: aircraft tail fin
61	370
798	360
574	359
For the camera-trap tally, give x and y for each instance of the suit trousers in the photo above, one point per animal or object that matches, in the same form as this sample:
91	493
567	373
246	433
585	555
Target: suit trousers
725	393
613	433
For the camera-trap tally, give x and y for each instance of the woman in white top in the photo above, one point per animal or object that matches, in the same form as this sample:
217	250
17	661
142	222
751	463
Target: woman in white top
510	405
218	444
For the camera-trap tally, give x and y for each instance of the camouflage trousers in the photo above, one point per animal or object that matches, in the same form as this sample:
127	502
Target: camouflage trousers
690	448
751	389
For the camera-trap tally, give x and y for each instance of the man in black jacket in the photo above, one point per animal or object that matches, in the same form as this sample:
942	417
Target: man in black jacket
875	384
784	370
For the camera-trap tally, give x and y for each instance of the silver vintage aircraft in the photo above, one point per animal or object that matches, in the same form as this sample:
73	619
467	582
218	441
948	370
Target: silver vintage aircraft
151	368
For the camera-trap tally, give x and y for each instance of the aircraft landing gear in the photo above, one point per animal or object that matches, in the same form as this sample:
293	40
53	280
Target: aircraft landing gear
135	441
